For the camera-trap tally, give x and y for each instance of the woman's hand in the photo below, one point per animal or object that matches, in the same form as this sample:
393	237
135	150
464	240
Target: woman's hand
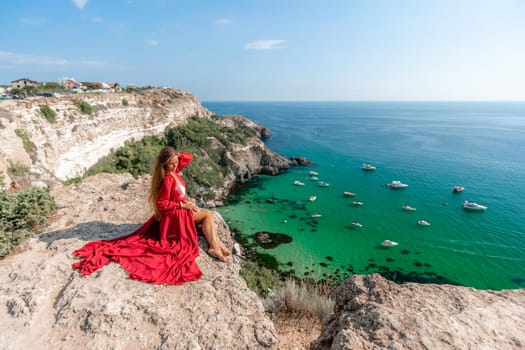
191	206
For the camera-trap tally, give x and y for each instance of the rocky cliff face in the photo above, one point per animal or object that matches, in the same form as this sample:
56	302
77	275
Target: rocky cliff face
44	303
374	313
57	151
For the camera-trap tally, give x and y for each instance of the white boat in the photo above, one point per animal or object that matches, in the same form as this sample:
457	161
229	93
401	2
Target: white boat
469	205
357	203
357	224
458	188
389	243
367	166
314	178
323	184
312	198
408	208
298	183
316	215
313	173
397	184
423	223
348	194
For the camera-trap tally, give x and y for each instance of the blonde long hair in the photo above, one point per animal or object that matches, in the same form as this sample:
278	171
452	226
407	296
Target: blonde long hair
165	154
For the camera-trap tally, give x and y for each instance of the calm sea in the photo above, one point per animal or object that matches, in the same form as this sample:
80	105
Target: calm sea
431	146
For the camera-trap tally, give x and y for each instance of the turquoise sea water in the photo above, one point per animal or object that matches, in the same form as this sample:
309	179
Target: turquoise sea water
430	146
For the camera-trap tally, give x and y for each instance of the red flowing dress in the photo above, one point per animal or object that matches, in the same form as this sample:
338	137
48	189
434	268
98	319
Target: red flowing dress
161	251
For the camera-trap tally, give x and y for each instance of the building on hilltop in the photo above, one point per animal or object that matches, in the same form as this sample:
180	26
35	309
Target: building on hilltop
71	84
23	82
115	86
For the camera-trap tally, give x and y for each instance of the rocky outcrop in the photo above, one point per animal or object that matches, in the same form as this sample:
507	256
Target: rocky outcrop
66	148
44	303
75	141
374	313
245	161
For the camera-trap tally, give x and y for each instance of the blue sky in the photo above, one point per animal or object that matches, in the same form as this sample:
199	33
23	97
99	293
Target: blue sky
274	49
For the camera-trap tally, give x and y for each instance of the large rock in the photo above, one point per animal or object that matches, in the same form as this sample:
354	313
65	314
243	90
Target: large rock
374	313
45	304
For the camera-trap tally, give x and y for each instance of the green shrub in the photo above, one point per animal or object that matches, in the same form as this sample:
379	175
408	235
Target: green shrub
206	139
73	180
18	169
125	102
48	113
135	157
84	107
28	145
259	278
21	214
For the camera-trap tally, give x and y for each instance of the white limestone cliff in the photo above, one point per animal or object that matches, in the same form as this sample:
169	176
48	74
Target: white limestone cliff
67	147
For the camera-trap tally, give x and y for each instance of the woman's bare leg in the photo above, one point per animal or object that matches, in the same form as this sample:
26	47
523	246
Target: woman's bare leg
217	249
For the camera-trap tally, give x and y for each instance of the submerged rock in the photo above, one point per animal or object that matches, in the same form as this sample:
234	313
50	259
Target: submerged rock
269	240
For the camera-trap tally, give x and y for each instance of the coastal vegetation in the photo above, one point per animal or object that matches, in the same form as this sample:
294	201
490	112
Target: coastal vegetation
303	298
283	294
29	146
17	169
21	214
48	113
206	139
84	107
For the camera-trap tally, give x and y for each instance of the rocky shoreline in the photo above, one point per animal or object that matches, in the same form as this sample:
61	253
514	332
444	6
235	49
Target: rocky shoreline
43	301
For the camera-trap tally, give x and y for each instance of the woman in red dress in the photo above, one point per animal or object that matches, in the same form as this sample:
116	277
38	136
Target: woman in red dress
164	249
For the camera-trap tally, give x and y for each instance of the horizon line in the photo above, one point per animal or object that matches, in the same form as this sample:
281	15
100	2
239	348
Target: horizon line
376	101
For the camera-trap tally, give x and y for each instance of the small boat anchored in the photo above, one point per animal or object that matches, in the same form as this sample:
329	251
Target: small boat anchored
357	224
408	208
312	198
395	184
323	184
423	223
357	203
389	243
313	173
298	183
458	189
367	166
316	215
348	194
473	206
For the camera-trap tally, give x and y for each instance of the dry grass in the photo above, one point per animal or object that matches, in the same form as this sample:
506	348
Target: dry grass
301	299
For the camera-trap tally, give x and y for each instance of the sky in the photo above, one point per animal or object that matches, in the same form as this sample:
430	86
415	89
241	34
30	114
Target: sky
275	50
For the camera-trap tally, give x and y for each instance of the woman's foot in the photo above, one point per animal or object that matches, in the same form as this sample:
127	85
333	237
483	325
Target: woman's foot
225	251
217	255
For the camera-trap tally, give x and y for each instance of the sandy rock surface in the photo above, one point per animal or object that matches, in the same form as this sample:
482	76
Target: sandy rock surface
44	302
374	313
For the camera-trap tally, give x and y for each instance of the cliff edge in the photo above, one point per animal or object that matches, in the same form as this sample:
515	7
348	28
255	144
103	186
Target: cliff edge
373	313
44	302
